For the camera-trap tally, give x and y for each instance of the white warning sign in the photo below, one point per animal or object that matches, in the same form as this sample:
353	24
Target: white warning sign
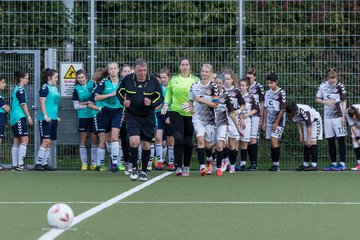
68	77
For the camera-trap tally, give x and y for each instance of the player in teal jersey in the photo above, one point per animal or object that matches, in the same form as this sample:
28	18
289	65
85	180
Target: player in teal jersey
164	133
81	94
3	110
19	113
48	117
177	102
108	121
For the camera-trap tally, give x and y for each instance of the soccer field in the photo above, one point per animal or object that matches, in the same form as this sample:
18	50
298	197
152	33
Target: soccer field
249	205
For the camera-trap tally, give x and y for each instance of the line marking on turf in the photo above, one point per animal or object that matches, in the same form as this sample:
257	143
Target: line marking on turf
193	202
53	233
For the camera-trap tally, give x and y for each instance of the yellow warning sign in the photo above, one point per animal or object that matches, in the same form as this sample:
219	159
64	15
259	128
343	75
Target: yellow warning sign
71	73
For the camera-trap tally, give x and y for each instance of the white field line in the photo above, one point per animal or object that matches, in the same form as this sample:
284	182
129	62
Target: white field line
53	233
193	202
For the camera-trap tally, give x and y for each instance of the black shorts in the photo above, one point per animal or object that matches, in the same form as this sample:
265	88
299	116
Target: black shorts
161	119
20	128
140	126
48	130
86	125
2	124
108	118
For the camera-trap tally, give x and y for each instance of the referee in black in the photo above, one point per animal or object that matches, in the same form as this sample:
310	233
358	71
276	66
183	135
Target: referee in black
140	93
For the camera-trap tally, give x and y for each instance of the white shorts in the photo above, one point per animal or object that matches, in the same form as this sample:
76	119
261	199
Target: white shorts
206	131
232	131
221	133
333	127
247	131
274	134
316	130
255	127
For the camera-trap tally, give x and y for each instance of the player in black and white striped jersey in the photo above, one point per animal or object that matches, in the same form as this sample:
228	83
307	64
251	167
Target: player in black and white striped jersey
353	119
274	118
332	95
309	125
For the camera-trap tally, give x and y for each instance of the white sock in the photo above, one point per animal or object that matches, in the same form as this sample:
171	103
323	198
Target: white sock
46	158
115	152
159	151
342	164
14	155
108	147
202	166
164	150
171	155
121	154
242	163
358	161
40	155
83	154
314	164
93	154
100	156
276	163
306	164
139	153
152	153
21	154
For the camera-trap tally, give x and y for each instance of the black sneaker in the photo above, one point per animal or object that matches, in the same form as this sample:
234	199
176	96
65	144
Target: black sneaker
39	167
274	168
114	168
48	168
252	167
311	168
242	168
301	168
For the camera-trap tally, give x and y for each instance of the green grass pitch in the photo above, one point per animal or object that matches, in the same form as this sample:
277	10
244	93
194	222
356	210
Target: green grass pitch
250	205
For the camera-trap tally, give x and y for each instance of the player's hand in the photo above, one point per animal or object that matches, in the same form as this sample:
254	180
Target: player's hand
192	110
167	121
47	119
308	142
263	127
31	122
59	119
330	102
198	99
6	108
274	126
127	103
242	124
164	109
245	116
301	139
147	101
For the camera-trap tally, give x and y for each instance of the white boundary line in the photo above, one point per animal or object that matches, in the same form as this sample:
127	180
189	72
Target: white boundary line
53	233
193	202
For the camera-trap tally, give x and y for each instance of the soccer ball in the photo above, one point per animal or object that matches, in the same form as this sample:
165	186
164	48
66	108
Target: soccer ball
60	216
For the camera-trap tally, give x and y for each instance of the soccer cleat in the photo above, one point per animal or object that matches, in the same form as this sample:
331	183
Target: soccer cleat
2	168
121	167
103	168
143	176
48	168
186	171
128	168
149	167
18	168
310	168
93	167
134	174
340	167
242	168
203	172
232	169
357	168
114	168
252	167
84	167
171	167
209	167
39	167
159	166
224	165
301	168
178	172
219	173
274	168
331	167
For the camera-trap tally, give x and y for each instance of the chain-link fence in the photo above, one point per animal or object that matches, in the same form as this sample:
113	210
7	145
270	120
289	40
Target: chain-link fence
298	40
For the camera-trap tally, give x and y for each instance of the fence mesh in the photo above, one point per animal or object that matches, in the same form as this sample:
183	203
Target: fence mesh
298	40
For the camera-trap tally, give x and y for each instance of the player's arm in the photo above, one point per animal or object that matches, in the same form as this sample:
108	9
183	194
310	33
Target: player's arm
99	90
44	91
20	95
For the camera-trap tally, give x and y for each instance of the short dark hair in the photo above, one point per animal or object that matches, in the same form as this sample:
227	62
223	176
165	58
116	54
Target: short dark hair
272	77
18	75
46	73
184	58
291	108
140	62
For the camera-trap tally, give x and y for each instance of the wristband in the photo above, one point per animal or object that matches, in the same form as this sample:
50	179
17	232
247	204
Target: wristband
29	117
100	109
46	116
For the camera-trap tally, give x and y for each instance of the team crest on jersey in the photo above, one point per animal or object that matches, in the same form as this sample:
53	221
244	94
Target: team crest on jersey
335	90
253	91
276	97
208	92
222	100
233	94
